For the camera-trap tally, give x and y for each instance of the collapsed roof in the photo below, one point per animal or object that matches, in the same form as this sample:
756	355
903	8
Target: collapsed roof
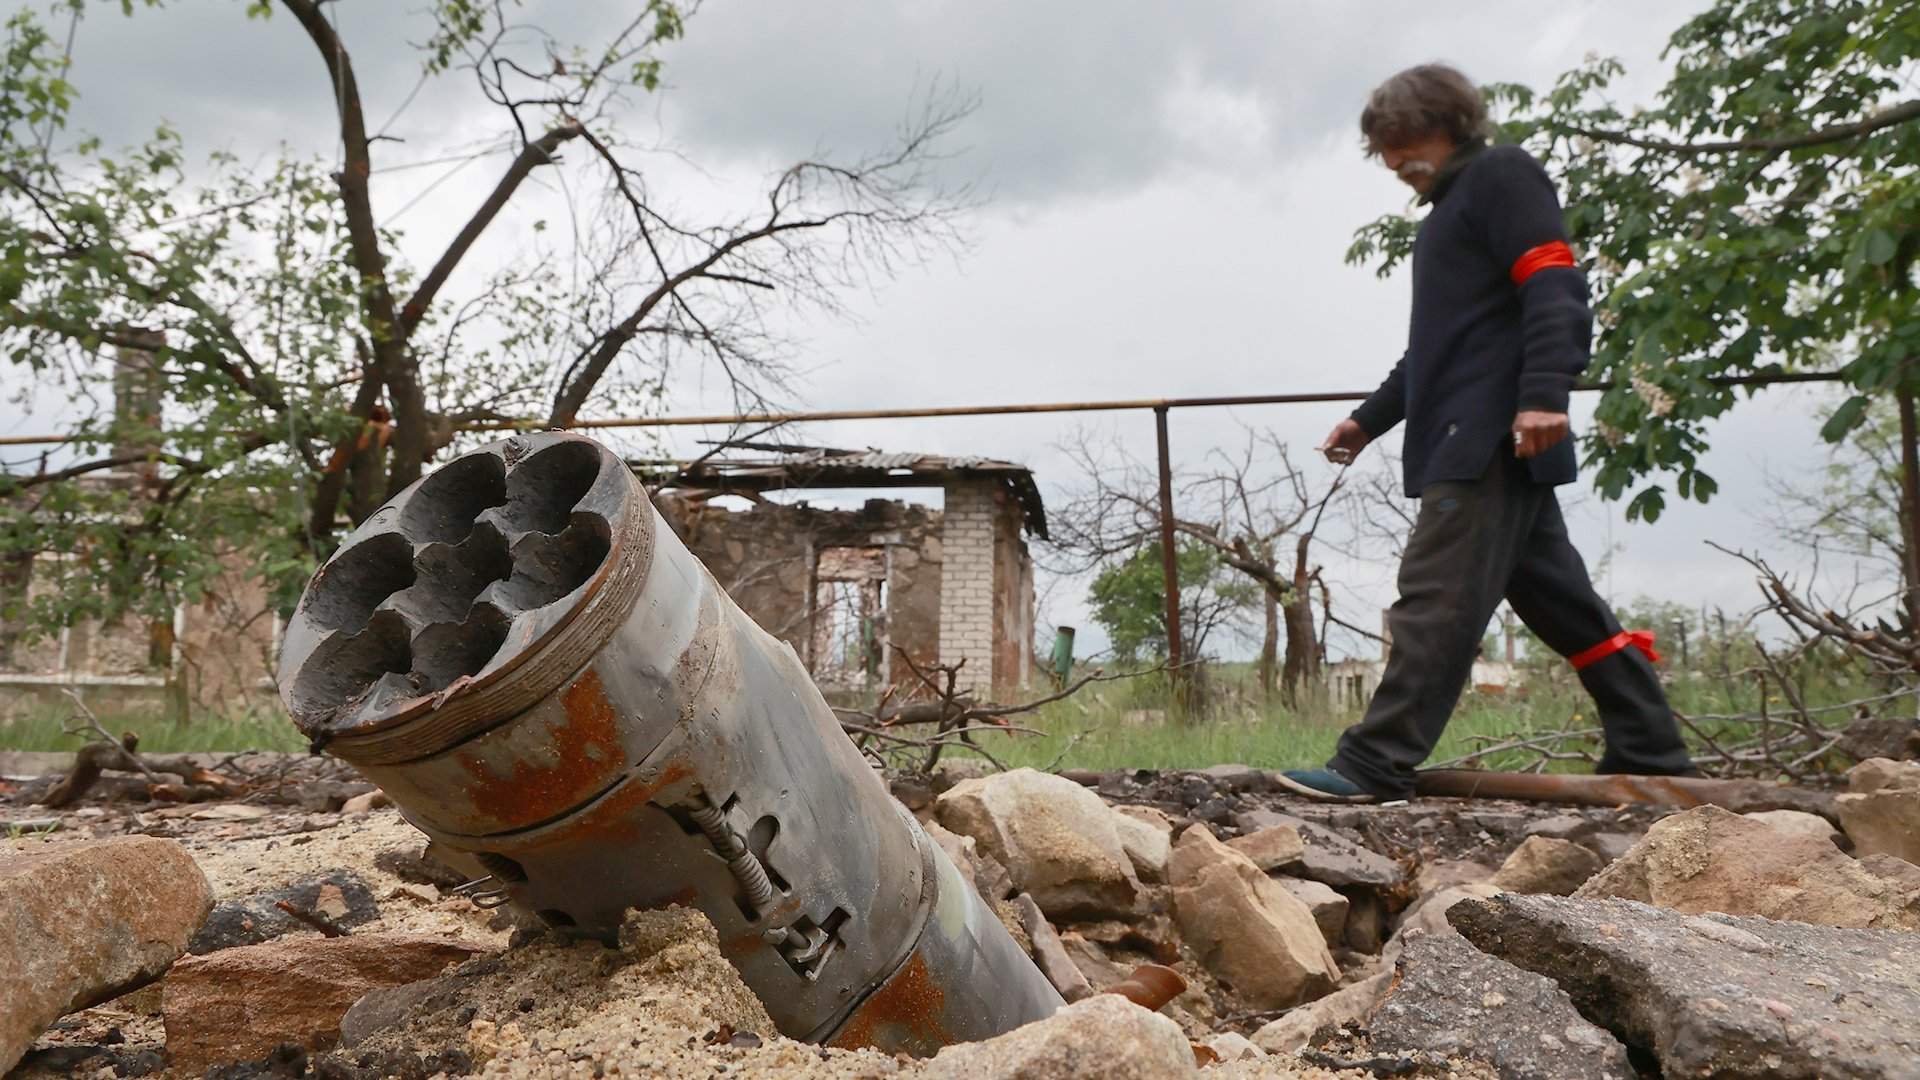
782	467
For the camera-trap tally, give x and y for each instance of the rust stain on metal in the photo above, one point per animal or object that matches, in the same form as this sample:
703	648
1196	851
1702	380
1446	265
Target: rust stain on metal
910	1000
586	750
683	898
616	817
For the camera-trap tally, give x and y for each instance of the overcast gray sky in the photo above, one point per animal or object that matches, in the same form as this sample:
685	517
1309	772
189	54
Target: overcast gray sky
1168	192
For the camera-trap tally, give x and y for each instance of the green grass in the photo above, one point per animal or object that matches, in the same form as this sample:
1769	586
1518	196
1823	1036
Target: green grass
1126	725
41	729
1122	724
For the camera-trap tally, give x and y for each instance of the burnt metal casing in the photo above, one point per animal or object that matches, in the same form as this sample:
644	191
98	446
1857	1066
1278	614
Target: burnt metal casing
547	683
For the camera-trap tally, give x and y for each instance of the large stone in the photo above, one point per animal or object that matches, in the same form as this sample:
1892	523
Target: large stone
1429	913
1717	995
86	920
1055	837
1329	858
1048	952
1147	837
1251	933
1445	873
1881	811
1544	865
1105	1036
1894	737
1232	1046
339	896
1797	821
1708	859
1276	848
1450	998
1196	850
238	1004
1329	908
1312	1022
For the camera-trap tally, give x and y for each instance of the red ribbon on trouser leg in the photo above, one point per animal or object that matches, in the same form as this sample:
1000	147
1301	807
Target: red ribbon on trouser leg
1639	639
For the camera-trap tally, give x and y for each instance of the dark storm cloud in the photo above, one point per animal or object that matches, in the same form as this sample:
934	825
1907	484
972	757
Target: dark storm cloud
1075	98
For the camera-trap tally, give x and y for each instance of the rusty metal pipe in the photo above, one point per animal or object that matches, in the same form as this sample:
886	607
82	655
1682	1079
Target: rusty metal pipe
1150	986
934	412
1740	796
551	687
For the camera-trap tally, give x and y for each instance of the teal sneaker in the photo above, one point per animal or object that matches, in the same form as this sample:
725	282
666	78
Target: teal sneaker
1324	785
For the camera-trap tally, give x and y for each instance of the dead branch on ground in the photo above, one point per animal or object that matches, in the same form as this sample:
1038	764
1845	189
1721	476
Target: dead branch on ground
955	714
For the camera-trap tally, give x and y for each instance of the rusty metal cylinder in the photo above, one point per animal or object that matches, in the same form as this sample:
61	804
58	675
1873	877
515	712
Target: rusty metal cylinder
523	655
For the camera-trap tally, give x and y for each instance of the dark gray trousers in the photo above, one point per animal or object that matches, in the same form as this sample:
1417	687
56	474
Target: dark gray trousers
1473	543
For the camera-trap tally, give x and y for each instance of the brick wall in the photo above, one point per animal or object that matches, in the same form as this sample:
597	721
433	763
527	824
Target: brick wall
967	580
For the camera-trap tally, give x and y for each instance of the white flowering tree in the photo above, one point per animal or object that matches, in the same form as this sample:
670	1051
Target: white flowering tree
1761	216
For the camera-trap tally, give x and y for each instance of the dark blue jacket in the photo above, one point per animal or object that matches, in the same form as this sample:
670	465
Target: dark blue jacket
1500	322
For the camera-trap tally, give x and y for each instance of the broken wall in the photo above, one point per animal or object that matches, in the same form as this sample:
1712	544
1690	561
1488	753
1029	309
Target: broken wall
768	558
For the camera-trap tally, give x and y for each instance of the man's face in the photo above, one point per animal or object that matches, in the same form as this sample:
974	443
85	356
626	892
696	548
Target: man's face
1418	162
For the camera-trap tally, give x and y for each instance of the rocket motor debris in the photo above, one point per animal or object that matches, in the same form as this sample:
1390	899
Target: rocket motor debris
550	686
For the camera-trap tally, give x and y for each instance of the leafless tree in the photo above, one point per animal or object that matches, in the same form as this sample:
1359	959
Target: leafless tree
1252	506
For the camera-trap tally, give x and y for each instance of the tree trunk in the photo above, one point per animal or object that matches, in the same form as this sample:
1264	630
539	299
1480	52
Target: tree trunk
1269	645
1301	675
1909	499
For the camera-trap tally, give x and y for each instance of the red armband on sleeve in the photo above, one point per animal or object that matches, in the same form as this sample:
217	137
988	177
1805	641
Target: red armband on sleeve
1638	639
1545	257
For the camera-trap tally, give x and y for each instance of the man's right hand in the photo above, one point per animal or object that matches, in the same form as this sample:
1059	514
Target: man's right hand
1345	441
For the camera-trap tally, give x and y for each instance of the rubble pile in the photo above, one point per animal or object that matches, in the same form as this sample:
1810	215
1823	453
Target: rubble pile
276	936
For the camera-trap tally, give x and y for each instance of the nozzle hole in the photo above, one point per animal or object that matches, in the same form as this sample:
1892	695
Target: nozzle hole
442	510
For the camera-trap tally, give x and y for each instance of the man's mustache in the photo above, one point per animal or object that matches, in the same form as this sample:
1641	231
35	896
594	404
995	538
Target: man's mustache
1411	170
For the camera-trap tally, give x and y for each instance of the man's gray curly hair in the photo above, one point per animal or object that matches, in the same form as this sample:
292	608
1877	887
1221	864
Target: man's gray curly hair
1422	101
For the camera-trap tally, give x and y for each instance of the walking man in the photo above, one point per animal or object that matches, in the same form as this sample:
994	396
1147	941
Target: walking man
1500	330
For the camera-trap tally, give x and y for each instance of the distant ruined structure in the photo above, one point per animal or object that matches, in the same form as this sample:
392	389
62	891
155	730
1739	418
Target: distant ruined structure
855	592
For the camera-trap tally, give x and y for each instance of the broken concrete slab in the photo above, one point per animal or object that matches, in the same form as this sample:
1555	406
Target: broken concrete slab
1545	865
1329	858
1056	839
1881	810
86	920
1709	859
1718	995
1450	998
1105	1036
341	897
237	1004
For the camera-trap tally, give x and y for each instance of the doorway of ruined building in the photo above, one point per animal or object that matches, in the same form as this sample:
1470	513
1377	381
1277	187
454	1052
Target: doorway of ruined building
848	619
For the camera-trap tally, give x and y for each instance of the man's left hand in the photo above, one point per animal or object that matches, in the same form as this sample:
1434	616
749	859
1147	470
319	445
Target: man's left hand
1535	432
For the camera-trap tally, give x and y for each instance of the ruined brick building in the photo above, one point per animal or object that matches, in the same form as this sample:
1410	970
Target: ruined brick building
843	587
851	590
